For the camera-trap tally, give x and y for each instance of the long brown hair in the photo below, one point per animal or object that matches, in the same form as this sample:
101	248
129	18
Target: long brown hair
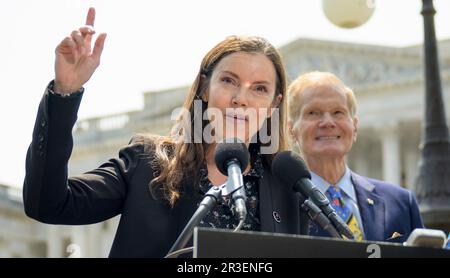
175	159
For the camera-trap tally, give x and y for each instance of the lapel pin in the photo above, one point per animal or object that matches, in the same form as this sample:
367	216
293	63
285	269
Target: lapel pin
276	216
370	201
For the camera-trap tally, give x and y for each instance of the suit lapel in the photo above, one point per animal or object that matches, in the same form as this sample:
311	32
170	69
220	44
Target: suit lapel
280	208
275	203
266	205
371	207
187	206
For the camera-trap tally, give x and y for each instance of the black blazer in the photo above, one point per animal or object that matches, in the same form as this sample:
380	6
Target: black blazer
147	227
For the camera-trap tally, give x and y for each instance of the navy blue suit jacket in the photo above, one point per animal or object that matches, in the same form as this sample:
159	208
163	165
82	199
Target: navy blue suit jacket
388	212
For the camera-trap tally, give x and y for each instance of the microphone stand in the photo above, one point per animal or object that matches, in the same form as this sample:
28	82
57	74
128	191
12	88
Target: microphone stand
209	201
316	215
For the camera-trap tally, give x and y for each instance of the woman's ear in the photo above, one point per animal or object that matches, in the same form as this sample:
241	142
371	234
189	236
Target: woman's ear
276	102
204	90
205	96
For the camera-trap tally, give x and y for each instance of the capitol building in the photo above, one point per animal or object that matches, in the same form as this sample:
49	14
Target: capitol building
389	87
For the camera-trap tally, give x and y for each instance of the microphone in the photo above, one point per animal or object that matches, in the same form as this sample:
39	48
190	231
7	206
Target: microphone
231	158
290	168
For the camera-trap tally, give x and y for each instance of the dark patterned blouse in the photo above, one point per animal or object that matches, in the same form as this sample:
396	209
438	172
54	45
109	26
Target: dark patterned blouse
222	215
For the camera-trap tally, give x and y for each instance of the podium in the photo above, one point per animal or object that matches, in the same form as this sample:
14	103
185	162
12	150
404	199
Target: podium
217	243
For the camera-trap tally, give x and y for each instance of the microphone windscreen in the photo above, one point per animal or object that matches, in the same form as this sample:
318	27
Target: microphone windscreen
231	148
289	168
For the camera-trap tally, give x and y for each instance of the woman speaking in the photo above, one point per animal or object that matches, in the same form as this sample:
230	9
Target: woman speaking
157	182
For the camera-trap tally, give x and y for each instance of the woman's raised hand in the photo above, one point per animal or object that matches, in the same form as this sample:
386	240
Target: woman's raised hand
75	60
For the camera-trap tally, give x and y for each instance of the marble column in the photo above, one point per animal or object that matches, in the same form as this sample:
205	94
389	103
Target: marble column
390	146
78	243
411	165
54	242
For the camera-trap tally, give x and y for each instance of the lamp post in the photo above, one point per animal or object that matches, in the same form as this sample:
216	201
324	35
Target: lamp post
433	182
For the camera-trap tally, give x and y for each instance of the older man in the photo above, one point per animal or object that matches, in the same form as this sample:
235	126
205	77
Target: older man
324	125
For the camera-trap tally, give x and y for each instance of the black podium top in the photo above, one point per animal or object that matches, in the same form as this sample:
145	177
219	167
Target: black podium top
217	243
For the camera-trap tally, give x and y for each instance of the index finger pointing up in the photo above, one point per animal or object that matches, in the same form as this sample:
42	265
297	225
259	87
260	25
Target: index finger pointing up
90	17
